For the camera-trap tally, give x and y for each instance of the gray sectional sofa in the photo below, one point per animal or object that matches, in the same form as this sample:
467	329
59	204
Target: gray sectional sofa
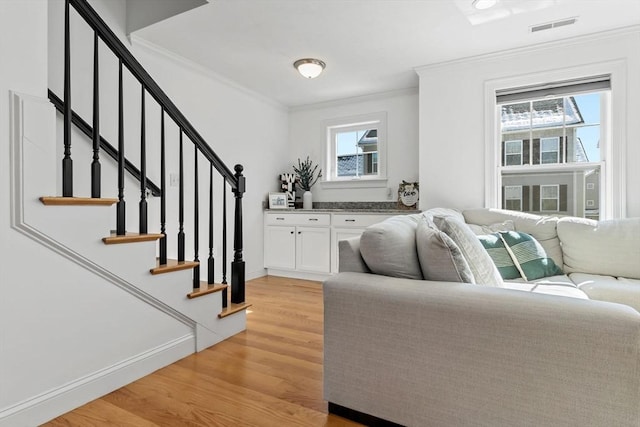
562	350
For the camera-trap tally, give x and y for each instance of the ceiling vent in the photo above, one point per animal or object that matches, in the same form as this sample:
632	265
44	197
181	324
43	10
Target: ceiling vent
550	25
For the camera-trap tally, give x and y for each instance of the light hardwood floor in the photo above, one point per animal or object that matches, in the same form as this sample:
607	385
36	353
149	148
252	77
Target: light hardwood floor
269	375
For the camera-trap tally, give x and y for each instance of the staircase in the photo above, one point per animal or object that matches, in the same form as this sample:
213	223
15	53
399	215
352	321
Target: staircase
82	228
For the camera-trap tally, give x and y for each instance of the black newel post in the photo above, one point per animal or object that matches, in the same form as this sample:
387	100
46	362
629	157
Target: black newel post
95	164
67	163
237	266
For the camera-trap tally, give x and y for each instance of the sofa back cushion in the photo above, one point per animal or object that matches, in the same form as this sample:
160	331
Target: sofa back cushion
389	247
541	227
610	248
440	258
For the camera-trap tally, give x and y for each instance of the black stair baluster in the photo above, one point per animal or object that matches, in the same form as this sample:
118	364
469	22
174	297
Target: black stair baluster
224	241
95	164
196	220
120	216
238	265
163	200
181	205
210	261
67	163
143	167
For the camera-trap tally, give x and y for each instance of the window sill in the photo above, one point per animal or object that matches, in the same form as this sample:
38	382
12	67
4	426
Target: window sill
355	183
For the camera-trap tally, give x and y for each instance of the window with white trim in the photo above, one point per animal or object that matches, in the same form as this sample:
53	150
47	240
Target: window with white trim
552	140
513	197
549	198
513	152
355	150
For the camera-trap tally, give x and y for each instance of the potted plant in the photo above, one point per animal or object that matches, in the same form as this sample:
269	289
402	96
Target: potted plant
306	177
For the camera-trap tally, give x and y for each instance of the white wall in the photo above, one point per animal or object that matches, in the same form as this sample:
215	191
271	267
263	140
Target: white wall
61	324
240	126
452	113
307	137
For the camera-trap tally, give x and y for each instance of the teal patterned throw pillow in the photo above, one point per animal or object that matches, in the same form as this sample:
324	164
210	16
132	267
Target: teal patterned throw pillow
500	256
528	255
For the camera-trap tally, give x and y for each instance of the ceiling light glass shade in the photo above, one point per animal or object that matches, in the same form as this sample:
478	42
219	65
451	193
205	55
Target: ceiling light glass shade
309	67
484	4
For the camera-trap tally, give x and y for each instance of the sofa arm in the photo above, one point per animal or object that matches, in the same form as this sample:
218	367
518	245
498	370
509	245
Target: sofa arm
349	256
440	354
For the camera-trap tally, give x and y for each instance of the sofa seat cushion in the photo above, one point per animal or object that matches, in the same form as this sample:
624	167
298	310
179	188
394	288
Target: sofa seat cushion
389	247
607	248
560	285
607	288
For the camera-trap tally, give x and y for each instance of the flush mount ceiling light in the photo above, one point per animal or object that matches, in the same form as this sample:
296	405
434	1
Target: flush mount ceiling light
484	4
309	67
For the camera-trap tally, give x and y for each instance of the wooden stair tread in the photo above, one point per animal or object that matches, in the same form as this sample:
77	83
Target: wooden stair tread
206	289
173	265
130	238
77	201
232	309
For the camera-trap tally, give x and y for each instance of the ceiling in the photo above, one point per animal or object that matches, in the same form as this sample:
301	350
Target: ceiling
369	46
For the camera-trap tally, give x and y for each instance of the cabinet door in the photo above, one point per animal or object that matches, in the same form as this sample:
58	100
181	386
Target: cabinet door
313	249
341	234
280	247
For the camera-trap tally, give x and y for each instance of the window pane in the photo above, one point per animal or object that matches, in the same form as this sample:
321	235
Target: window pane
515	116
546	158
549	191
512	192
513	160
513	205
565	191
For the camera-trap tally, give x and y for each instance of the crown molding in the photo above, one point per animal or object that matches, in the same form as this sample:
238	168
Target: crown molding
538	47
201	69
355	99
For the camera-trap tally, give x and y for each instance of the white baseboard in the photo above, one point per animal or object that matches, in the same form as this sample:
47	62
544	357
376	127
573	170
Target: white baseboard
319	277
65	398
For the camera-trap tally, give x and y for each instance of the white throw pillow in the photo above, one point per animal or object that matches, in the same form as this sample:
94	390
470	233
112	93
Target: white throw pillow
483	269
389	247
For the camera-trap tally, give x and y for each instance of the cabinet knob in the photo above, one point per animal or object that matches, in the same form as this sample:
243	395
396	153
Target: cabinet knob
349	220
313	219
292	232
279	219
299	232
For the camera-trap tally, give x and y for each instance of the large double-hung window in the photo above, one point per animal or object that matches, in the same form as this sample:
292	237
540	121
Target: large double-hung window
551	140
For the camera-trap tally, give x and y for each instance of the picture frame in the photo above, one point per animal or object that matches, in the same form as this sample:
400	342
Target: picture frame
278	201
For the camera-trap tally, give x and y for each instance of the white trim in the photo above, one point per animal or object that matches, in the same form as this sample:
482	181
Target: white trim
201	69
330	180
41	408
613	205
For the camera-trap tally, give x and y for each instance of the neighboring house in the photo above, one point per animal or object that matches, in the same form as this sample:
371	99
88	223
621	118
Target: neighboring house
544	133
365	160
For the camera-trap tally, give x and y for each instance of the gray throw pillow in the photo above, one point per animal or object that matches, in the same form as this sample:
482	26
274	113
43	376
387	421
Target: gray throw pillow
389	247
440	258
483	269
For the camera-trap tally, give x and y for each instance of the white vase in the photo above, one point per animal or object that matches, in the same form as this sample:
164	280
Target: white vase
307	200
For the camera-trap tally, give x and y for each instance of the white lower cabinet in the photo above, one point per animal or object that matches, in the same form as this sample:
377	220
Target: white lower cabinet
305	245
313	247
